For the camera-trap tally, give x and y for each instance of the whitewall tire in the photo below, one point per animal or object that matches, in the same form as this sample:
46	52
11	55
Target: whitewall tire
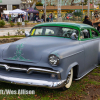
68	80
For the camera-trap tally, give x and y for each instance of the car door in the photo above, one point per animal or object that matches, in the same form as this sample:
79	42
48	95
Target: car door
96	36
90	45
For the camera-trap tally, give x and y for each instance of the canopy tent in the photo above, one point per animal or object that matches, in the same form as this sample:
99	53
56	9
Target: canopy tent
31	10
17	11
6	11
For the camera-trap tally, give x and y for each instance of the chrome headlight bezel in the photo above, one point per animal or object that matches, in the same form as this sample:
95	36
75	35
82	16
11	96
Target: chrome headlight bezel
54	60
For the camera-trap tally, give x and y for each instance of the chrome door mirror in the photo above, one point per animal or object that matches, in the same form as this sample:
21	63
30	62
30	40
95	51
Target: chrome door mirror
27	34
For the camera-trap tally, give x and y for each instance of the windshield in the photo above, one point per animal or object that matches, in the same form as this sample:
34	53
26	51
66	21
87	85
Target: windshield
53	31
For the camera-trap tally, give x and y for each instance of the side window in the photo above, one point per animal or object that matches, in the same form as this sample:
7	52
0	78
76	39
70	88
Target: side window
84	34
38	31
67	32
49	32
94	33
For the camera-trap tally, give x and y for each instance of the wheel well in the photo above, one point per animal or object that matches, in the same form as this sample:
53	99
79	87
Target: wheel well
75	71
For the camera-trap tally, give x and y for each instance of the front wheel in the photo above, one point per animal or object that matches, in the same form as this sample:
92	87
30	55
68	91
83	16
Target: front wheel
68	80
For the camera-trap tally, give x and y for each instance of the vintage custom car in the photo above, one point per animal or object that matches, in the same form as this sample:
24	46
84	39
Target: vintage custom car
51	55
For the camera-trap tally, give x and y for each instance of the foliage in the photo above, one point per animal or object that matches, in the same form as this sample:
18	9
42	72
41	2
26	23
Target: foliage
18	23
20	31
85	2
77	13
31	3
12	24
26	21
23	31
2	23
8	34
39	4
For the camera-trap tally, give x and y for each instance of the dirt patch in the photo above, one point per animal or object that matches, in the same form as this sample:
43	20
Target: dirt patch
93	93
96	78
8	40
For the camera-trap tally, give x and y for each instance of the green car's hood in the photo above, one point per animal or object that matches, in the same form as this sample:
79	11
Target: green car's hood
32	49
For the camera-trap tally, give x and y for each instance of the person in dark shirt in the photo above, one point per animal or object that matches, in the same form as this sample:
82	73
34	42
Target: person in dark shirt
98	28
47	19
87	21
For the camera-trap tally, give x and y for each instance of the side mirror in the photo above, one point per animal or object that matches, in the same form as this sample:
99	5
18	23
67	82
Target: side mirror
27	34
74	36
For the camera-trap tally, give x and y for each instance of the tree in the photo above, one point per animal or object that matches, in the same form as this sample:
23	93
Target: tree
39	4
30	2
73	2
77	13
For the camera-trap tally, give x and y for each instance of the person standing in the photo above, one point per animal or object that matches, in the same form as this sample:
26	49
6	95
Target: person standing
87	21
30	17
42	18
21	17
51	17
18	17
6	17
96	15
47	19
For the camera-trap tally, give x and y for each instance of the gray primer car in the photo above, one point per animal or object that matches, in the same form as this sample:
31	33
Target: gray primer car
51	55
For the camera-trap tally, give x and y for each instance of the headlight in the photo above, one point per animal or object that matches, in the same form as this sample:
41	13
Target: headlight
54	60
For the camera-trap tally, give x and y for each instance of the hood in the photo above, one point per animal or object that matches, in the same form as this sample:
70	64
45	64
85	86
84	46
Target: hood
31	49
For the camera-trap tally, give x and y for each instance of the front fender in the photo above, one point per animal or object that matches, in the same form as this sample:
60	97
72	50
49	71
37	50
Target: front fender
70	57
68	51
70	67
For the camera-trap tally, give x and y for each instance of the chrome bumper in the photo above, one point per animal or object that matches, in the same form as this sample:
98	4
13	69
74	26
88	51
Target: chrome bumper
33	82
31	69
57	83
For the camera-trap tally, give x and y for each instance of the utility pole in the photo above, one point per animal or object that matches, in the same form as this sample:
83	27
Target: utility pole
82	8
59	11
45	11
88	7
59	8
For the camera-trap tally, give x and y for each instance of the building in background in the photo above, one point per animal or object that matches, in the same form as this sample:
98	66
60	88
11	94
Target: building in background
9	5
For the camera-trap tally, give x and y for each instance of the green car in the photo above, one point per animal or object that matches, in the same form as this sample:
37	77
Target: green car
51	55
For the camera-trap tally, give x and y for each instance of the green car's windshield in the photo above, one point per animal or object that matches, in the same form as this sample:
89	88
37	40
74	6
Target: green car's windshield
53	31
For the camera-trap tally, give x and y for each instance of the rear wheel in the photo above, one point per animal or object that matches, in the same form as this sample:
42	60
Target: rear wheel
68	80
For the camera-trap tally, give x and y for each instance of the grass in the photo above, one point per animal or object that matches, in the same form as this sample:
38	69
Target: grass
76	90
96	74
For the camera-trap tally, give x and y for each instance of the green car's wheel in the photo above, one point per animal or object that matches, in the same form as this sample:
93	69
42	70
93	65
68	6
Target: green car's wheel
69	80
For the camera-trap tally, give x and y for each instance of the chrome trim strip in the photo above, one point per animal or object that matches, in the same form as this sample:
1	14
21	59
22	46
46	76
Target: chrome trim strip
33	82
31	69
73	54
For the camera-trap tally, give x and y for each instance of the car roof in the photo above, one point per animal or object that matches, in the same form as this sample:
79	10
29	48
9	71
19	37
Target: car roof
76	25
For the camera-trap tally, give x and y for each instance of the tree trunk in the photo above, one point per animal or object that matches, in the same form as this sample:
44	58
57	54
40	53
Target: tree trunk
72	2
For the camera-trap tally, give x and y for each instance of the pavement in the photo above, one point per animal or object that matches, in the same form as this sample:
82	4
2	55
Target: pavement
13	31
